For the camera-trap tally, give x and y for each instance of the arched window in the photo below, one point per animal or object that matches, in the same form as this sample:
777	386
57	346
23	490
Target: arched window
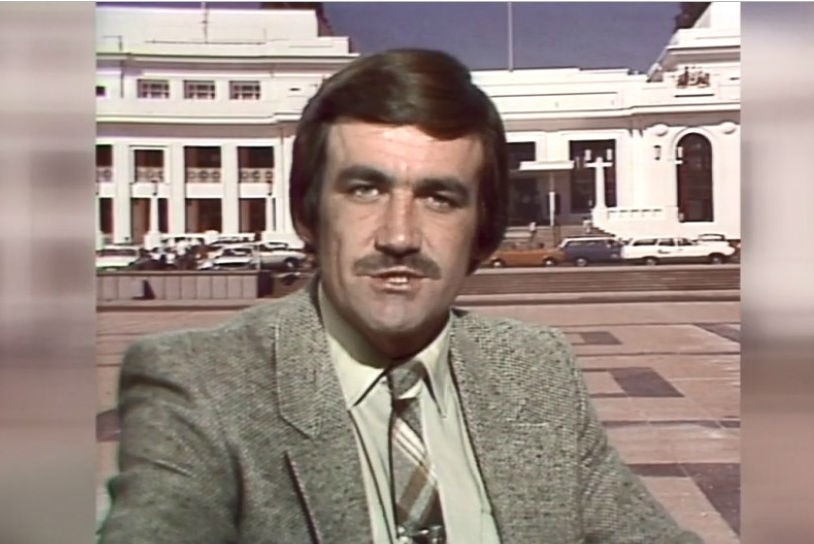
694	179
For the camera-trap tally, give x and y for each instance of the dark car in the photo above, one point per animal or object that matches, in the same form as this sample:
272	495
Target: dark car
587	250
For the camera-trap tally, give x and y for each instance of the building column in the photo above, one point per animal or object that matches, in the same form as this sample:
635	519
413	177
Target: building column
599	183
152	237
275	191
285	222
230	199
174	170
270	226
552	200
122	182
635	194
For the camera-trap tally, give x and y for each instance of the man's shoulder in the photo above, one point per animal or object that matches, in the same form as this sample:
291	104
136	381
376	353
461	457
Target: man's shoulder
262	316
503	329
530	360
248	330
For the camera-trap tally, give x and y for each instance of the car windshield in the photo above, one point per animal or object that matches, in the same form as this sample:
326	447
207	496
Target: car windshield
273	246
237	252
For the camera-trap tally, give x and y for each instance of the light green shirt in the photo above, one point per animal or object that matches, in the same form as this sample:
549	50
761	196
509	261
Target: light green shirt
467	514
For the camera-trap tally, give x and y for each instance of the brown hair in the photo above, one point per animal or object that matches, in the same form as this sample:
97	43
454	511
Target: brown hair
404	87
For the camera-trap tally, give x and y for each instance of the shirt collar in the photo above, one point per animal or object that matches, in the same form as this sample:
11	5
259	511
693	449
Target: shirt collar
360	366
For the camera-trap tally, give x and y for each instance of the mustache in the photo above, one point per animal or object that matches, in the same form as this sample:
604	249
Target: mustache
374	263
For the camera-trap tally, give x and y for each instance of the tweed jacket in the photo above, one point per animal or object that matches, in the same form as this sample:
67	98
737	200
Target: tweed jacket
240	434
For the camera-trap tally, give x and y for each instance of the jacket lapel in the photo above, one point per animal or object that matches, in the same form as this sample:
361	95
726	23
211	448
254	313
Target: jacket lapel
325	462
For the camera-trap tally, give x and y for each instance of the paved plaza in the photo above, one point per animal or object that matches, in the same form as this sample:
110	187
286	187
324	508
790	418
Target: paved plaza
665	378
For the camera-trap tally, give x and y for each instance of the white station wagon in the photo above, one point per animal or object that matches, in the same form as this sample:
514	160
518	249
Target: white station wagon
116	257
668	249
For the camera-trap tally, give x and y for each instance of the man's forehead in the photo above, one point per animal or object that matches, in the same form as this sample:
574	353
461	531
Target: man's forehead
352	135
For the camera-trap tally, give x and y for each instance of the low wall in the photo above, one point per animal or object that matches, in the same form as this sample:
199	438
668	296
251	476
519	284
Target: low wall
514	281
249	285
195	285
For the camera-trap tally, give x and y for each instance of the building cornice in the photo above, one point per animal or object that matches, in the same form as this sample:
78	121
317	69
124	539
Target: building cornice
577	117
115	60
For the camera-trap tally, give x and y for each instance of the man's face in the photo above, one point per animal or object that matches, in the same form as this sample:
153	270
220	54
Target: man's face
398	216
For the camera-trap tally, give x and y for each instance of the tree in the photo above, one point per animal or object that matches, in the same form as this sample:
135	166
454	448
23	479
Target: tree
689	14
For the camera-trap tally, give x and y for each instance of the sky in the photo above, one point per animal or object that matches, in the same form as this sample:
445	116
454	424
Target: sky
546	34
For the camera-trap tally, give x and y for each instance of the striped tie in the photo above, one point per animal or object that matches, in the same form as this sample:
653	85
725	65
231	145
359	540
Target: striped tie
415	492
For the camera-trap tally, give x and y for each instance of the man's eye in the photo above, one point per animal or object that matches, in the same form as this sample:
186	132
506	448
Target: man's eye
441	202
364	191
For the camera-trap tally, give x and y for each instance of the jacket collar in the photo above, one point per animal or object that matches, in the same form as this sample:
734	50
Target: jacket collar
311	400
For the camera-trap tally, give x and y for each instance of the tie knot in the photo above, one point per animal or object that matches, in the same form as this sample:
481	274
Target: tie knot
403	377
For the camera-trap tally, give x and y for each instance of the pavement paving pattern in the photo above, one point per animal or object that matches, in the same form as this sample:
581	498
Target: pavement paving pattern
664	377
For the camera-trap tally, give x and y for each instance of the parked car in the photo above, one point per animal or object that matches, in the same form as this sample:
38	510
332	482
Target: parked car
719	240
162	258
279	255
653	250
712	239
584	250
519	253
172	240
117	257
231	258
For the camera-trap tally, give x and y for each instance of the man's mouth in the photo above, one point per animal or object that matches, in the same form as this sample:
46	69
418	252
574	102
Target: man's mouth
406	273
397	278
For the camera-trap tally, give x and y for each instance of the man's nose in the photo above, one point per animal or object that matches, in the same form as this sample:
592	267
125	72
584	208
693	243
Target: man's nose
399	233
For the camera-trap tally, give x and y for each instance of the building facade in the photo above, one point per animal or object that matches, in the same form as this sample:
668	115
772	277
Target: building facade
197	110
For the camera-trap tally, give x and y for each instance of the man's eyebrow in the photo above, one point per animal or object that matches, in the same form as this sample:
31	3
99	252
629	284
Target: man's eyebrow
361	172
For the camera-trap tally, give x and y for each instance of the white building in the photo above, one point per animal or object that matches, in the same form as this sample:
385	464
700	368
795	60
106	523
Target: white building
196	113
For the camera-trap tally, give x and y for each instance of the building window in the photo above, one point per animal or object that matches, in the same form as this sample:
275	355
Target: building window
153	88
525	202
149	165
583	175
256	164
101	91
163	215
694	179
202	164
253	215
244	90
104	163
204	214
199	90
106	215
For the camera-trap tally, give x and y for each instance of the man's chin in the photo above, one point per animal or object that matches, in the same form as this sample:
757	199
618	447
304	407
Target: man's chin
394	330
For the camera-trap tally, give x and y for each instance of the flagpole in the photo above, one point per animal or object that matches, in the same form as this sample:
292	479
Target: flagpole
510	25
205	21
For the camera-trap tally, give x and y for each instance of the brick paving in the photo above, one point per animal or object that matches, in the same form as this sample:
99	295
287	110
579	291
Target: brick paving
665	378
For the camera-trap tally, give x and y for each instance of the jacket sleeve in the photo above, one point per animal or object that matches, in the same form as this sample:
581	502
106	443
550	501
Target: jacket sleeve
176	481
616	505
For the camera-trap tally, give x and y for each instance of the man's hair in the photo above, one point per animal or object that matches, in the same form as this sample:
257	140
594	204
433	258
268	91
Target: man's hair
405	87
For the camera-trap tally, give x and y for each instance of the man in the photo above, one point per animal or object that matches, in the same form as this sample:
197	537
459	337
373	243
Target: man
291	423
